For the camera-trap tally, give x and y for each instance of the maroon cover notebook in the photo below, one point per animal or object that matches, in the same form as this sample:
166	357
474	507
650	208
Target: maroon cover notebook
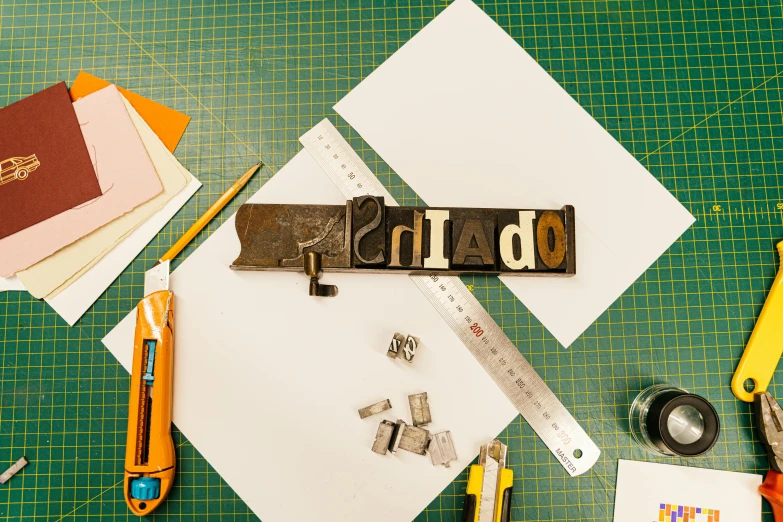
45	168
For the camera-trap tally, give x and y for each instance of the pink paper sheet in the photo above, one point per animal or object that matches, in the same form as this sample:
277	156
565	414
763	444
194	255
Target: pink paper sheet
125	173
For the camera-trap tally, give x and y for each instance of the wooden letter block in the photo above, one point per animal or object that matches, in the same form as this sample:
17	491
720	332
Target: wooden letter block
517	240
437	242
369	231
404	237
551	239
473	239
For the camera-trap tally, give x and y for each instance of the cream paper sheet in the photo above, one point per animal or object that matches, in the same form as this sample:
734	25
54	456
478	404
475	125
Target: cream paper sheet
467	118
72	299
269	378
45	277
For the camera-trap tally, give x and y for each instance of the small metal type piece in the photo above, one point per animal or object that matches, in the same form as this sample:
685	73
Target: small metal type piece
396	344
420	409
397	436
410	438
375	409
442	450
13	470
409	350
312	267
670	421
383	438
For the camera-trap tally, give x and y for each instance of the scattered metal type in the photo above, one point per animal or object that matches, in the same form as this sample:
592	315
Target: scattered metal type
411	344
13	470
374	409
420	409
312	267
394	347
442	449
410	438
383	438
395	440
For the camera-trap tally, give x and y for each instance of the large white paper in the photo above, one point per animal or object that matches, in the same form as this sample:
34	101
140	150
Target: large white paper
645	490
467	118
277	376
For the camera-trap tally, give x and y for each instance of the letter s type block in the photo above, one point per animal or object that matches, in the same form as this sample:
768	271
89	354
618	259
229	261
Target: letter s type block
369	232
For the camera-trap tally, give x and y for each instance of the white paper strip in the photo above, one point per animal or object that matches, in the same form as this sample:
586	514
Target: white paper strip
467	118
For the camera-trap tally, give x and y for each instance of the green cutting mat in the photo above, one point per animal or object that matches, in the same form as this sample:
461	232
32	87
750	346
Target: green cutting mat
693	90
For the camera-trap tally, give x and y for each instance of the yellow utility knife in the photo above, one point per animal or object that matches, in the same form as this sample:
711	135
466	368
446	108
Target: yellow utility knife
488	496
765	346
150	459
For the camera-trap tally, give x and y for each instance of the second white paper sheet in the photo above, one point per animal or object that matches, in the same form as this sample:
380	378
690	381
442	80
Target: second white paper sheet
268	380
467	118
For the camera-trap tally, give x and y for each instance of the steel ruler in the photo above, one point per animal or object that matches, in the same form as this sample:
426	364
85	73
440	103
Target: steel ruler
499	357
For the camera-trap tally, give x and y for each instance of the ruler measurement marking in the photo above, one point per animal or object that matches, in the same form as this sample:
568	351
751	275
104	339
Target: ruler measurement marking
486	341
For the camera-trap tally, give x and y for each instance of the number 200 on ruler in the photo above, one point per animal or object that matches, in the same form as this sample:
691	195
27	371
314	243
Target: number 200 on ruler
499	357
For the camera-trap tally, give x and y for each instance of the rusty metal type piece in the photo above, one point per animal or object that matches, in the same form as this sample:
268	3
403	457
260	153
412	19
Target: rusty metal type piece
395	347
383	438
312	267
411	438
442	450
374	409
409	350
278	236
420	409
399	428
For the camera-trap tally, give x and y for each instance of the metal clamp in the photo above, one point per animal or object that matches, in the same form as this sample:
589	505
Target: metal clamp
312	267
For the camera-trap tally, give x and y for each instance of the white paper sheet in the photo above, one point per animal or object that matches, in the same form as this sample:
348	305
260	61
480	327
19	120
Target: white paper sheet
277	376
467	118
10	283
645	489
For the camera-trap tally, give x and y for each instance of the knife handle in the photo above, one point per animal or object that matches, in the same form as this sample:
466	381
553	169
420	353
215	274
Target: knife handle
150	460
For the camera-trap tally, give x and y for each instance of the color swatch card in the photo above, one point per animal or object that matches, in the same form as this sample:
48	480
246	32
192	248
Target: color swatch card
126	175
44	165
468	118
648	492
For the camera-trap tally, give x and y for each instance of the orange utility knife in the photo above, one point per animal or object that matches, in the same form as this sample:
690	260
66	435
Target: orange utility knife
150	460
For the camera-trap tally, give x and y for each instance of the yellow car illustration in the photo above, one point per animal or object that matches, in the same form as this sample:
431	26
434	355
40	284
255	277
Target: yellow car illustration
17	168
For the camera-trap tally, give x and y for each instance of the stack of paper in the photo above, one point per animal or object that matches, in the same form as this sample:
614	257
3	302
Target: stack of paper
69	256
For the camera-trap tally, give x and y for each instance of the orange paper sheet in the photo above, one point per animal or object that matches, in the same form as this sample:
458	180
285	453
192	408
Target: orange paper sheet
167	123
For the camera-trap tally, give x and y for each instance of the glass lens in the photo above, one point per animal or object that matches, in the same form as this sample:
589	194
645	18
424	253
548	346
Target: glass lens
685	424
